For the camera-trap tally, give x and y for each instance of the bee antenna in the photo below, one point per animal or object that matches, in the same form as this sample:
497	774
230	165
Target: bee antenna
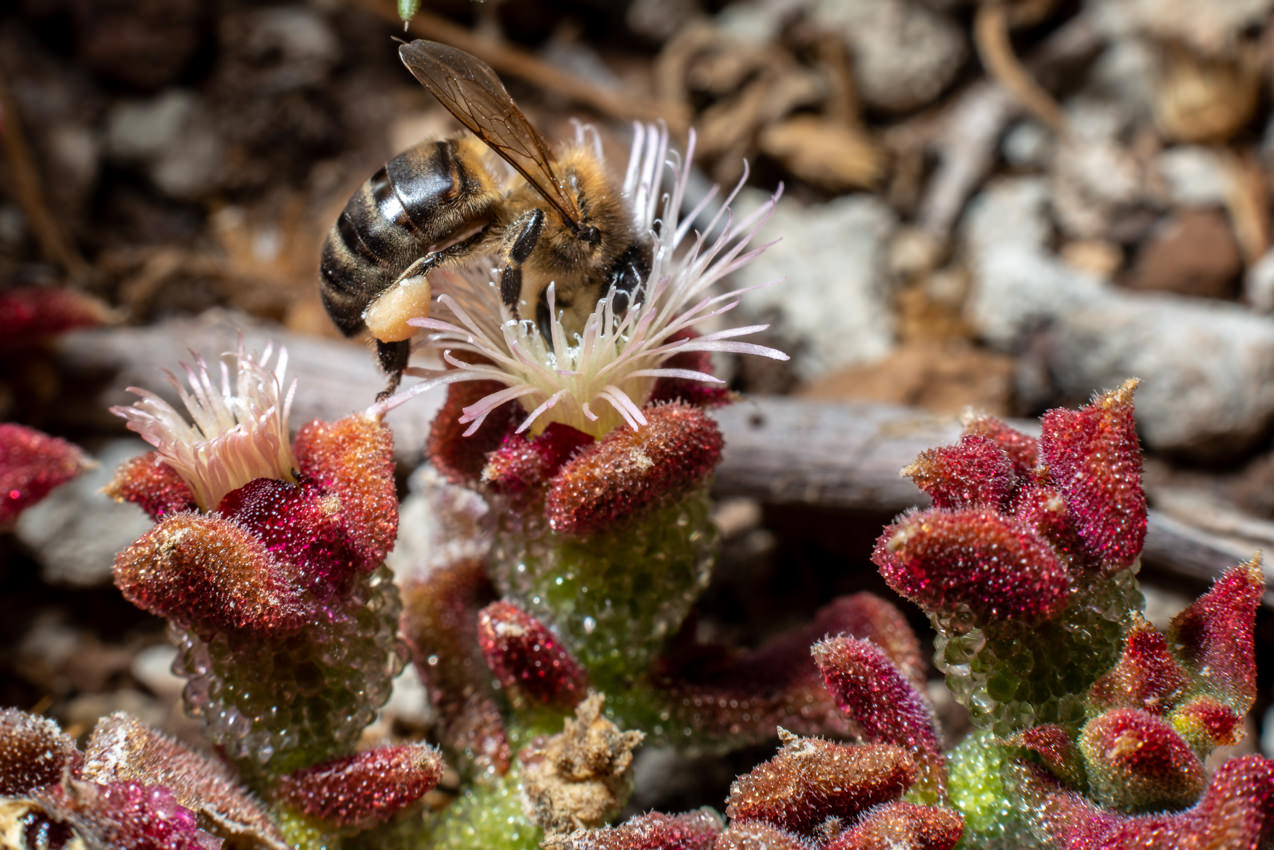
589	234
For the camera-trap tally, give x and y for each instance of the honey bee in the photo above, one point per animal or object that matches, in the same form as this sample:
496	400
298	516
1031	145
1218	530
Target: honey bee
557	219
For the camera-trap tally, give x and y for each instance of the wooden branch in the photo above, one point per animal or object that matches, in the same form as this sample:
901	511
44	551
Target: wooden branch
788	451
848	455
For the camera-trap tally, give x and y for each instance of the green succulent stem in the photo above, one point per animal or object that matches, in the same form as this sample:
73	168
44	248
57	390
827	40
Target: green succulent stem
488	814
614	597
981	787
1012	675
275	706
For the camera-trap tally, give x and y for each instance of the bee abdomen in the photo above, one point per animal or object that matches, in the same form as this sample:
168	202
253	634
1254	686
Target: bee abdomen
403	211
408	205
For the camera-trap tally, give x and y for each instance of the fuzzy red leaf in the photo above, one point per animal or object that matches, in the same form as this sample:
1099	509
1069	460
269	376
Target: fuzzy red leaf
1215	635
1147	676
122	749
1093	458
33	752
973	560
1137	762
812	779
884	705
974	473
523	465
152	485
904	826
695	830
209	574
526	657
630	471
32	464
1235	813
366	788
353	460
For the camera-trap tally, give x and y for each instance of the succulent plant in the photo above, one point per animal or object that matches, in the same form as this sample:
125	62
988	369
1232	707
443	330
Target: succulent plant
550	617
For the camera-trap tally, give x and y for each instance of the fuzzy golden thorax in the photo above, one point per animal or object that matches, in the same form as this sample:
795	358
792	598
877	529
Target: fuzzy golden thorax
581	265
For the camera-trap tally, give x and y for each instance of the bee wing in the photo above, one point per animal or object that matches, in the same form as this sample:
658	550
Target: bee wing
471	91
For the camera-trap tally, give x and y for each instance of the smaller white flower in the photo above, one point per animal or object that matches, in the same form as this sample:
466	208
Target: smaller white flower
236	433
599	379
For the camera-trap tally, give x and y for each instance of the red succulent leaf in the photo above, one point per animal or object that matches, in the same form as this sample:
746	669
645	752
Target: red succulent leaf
460	458
121	749
1214	636
974	473
33	753
812	779
302	529
440	623
152	485
523	465
629	471
366	788
867	616
1137	762
127	816
1146	676
902	826
1044	511
1206	723
884	705
32	464
31	314
1094	459
527	658
977	561
353	460
1056	750
695	830
209	574
759	835
1023	450
735	698
1235	813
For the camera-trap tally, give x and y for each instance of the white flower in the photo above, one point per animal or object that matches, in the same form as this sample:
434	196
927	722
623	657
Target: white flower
239	432
599	379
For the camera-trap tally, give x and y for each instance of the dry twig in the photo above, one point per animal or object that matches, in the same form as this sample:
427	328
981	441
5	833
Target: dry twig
991	36
1247	201
967	138
513	61
55	244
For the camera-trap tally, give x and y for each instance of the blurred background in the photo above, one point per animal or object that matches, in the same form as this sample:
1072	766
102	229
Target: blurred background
1008	205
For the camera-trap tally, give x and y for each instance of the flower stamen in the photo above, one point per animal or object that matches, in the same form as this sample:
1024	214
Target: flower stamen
229	435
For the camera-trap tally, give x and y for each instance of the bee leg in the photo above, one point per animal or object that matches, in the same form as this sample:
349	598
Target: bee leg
393	360
455	251
526	229
388	317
